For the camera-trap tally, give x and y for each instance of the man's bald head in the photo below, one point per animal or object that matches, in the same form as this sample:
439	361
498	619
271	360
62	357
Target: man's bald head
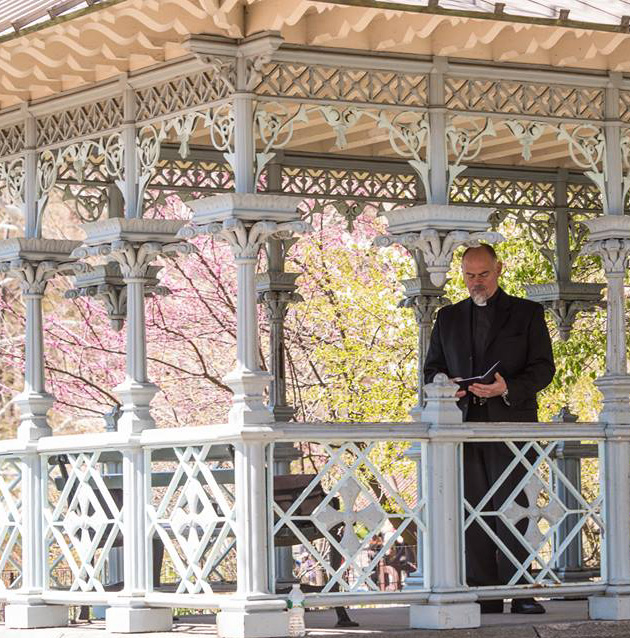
481	269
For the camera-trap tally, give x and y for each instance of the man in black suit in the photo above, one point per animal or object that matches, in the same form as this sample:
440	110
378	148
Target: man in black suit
468	338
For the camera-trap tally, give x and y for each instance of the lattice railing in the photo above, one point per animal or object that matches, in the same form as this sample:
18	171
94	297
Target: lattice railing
10	523
82	518
531	515
354	521
191	513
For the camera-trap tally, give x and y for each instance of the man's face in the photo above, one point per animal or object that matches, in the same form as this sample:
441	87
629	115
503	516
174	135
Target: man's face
481	274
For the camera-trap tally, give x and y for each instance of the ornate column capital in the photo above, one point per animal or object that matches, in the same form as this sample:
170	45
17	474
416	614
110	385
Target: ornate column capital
132	243
437	231
609	238
34	262
564	300
106	283
246	240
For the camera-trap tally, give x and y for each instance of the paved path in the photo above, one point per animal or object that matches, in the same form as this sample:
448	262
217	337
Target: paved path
564	619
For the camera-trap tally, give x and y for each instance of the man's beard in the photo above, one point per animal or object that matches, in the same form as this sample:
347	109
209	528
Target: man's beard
479	296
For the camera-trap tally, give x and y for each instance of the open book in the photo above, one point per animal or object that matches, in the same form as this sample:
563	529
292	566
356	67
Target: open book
486	378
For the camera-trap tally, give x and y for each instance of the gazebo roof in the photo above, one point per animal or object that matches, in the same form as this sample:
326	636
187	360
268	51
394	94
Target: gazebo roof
66	45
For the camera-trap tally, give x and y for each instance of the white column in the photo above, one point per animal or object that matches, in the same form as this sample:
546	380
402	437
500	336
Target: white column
245	221
129	614
131	175
437	151
610	239
25	610
136	391
30	177
449	605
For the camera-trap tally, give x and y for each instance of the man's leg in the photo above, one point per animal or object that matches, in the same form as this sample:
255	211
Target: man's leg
481	564
497	460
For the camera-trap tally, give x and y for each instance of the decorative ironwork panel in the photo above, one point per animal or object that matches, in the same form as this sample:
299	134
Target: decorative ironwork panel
532	514
502	192
508	96
11	140
10	524
584	196
192	176
191	516
351	183
83	121
82	518
624	106
284	79
357	526
185	92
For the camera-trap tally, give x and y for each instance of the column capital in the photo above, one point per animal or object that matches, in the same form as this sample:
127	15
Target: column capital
106	283
609	238
33	262
133	244
437	231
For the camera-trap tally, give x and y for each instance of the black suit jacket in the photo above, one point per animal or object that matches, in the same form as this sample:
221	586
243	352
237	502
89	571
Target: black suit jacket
518	338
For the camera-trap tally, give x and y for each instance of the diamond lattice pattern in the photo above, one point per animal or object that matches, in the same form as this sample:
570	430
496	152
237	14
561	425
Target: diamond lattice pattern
544	512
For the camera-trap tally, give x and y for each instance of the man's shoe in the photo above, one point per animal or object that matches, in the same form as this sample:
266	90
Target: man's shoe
527	606
491	606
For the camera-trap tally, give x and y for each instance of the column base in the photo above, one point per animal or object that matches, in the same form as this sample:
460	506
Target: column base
609	607
25	616
132	620
448	616
241	624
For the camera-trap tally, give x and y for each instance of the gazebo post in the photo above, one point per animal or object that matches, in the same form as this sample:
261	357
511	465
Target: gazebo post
134	244
610	240
245	221
33	262
449	605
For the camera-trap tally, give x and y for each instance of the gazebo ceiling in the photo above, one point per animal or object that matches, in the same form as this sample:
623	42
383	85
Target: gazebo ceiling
126	36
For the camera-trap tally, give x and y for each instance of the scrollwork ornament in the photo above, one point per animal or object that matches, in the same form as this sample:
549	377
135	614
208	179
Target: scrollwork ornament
220	124
587	148
466	143
275	130
12	175
408	136
89	202
184	126
526	132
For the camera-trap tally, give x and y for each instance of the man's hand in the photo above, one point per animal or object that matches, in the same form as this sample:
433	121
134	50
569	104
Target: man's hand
460	393
490	390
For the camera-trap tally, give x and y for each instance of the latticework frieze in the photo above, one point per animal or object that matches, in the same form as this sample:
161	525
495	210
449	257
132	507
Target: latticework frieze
502	192
11	140
192	175
184	93
624	106
584	196
350	183
83	121
507	96
348	85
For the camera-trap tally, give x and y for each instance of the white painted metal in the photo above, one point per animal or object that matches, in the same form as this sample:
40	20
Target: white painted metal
449	606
